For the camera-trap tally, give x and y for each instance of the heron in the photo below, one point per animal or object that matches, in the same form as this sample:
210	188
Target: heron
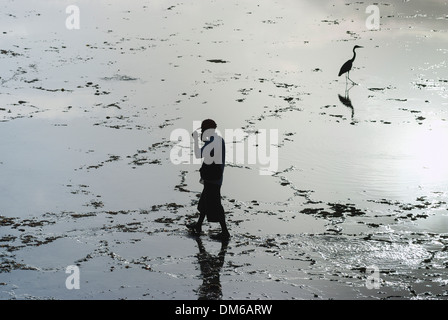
346	67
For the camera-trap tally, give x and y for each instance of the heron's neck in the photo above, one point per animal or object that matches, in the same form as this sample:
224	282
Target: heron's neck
354	55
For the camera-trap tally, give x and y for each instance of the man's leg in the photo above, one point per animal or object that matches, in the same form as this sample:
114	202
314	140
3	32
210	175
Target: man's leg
200	221
224	235
197	227
224	230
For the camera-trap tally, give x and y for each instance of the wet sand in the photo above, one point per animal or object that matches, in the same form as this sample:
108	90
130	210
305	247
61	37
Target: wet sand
87	180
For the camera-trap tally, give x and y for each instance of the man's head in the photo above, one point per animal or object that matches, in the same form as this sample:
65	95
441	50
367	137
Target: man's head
208	127
208	124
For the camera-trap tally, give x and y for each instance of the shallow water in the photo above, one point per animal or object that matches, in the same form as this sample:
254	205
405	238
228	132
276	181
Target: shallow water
86	117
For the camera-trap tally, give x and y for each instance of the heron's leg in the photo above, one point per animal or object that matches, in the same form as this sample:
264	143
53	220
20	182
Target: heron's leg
349	78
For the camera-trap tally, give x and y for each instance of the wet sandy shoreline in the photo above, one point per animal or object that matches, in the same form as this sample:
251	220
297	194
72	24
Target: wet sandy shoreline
154	252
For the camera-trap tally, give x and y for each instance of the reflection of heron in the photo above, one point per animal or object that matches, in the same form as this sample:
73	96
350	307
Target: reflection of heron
347	102
348	65
210	265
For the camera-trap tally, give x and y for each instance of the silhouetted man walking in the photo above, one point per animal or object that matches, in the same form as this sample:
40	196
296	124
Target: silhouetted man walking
212	169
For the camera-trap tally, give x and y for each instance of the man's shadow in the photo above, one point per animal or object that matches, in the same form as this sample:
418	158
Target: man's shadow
210	265
347	102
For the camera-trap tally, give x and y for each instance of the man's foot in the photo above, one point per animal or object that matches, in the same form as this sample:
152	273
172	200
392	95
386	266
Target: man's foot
195	228
222	236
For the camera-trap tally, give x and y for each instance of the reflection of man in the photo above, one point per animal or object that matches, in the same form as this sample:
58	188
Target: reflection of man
211	171
210	265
